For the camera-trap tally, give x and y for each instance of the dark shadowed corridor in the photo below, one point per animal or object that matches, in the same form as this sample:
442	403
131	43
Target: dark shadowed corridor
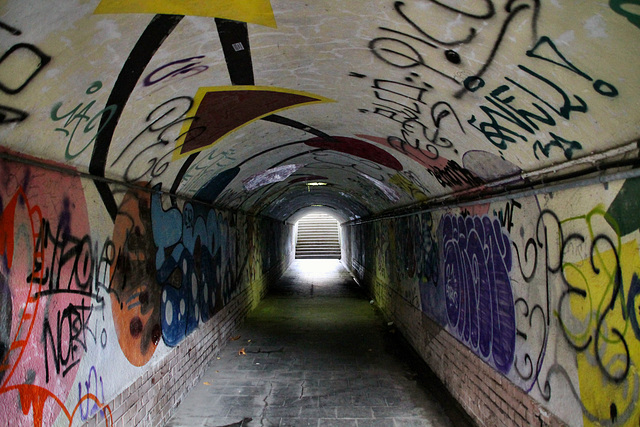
316	353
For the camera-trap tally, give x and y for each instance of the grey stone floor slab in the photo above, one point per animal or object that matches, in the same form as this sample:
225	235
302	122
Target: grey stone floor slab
315	353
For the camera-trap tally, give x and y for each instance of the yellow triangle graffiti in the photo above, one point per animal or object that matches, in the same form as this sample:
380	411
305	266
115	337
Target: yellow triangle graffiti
252	11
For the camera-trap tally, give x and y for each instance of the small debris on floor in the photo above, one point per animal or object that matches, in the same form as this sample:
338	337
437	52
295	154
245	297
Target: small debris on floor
236	338
242	352
411	376
260	350
206	383
241	423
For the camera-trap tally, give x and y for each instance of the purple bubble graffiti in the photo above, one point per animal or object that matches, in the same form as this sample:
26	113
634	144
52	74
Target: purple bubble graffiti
475	264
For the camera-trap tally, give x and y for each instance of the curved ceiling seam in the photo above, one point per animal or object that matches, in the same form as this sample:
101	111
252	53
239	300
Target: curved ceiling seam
156	32
70	171
241	73
605	177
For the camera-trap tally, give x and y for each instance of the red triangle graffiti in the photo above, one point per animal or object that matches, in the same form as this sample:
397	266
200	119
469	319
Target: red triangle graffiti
221	112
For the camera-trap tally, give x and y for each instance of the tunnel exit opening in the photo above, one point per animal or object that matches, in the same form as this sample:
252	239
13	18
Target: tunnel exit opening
318	237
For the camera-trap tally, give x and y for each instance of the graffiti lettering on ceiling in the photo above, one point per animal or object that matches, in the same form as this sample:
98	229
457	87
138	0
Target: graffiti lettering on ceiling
71	295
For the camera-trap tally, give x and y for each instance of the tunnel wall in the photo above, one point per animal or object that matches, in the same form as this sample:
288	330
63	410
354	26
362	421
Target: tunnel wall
525	307
113	320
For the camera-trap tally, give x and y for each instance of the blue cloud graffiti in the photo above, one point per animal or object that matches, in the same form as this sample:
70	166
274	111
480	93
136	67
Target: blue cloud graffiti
189	266
475	261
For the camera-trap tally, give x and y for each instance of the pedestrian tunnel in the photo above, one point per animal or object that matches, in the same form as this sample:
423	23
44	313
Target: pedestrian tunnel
480	159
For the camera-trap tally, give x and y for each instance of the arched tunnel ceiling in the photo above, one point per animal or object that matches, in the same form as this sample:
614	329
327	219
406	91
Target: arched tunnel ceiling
388	103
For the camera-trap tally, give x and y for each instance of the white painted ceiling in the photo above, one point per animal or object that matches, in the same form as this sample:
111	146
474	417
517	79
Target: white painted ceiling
389	104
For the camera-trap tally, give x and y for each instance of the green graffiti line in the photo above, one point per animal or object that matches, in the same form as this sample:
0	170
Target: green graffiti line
504	124
76	116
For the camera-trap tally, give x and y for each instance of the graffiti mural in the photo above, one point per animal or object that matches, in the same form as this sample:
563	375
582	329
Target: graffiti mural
135	292
75	298
152	153
475	262
51	306
78	114
541	290
232	108
501	134
190	267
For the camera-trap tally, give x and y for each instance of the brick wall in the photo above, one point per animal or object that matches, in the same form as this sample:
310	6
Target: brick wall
129	310
488	397
152	399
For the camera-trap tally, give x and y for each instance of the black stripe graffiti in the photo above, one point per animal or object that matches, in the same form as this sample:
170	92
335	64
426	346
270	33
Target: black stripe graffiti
235	44
284	121
234	37
151	39
168	115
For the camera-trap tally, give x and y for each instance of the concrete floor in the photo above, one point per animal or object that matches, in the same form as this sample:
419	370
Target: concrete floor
316	353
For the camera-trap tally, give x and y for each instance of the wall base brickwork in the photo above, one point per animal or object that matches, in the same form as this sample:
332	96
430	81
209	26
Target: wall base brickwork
489	398
153	398
122	311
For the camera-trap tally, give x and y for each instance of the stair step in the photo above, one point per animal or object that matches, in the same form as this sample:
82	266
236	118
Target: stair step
322	248
318	247
318	237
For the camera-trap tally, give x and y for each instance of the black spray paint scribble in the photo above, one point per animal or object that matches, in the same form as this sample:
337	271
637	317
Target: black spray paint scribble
32	60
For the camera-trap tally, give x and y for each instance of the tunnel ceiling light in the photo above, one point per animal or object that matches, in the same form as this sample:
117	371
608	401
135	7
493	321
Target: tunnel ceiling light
315	184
